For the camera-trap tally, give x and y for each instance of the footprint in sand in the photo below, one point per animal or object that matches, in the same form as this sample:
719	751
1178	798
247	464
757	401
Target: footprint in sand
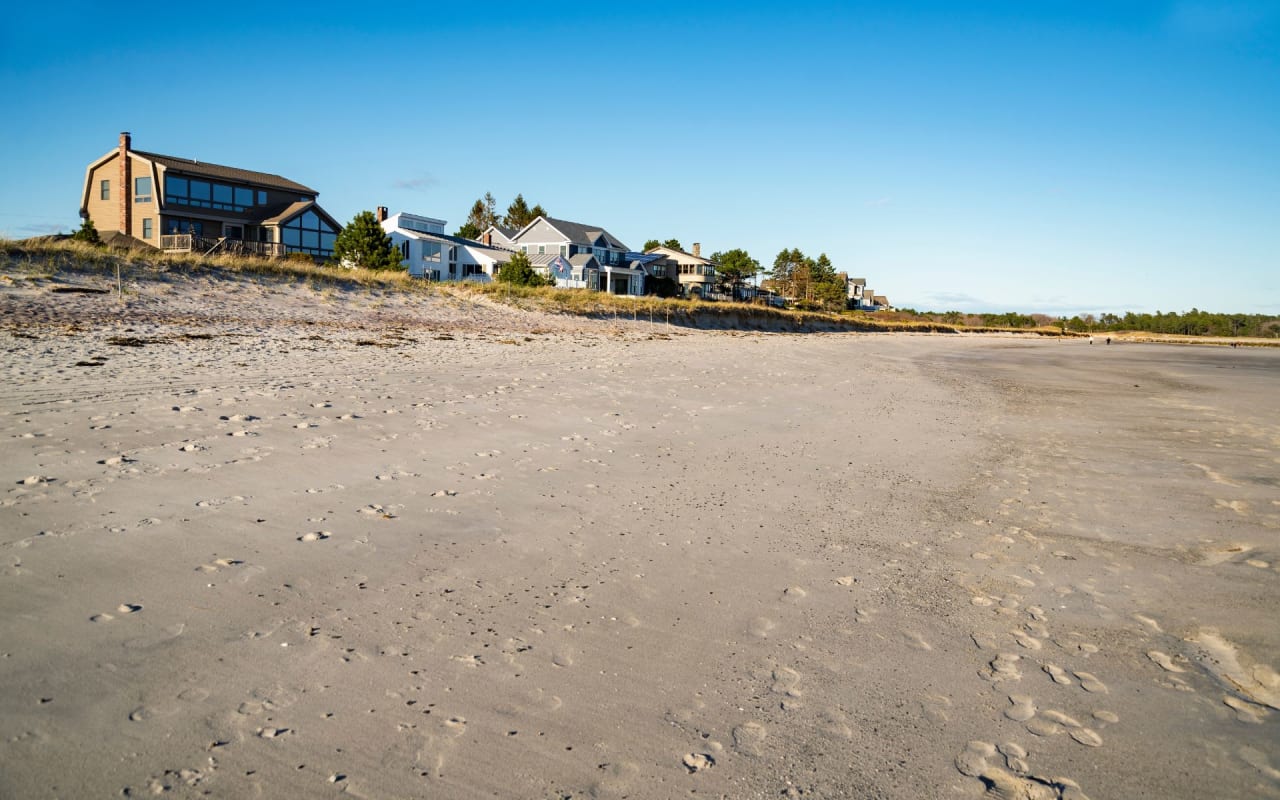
314	536
915	641
748	739
786	681
761	627
976	762
696	762
936	708
1002	668
1164	661
1058	674
1022	709
1090	683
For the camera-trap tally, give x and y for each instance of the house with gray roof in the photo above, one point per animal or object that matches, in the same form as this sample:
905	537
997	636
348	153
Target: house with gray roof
597	259
432	254
695	275
180	204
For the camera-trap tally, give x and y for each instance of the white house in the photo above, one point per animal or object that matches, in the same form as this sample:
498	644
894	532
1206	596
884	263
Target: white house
431	253
589	256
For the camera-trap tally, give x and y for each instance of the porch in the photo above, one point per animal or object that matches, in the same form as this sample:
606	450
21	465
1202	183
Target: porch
190	243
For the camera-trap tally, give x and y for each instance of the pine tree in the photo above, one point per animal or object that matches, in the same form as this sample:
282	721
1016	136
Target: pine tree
674	244
650	244
518	213
87	233
363	243
537	211
520	272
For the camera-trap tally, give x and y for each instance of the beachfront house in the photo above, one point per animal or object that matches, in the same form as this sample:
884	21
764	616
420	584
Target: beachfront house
589	256
181	205
695	275
428	252
855	290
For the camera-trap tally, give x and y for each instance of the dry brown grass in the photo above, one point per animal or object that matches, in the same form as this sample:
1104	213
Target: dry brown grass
48	259
583	302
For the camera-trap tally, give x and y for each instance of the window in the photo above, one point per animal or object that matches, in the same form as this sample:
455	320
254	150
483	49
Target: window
262	198
203	194
104	190
146	228
431	251
174	225
564	250
142	190
404	250
542	249
308	233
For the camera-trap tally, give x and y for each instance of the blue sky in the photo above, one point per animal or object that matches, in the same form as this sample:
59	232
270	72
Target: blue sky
1032	155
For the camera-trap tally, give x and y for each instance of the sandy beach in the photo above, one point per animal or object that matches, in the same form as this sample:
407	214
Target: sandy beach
270	540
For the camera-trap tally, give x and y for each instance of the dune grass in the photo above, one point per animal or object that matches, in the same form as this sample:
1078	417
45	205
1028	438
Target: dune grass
697	313
36	258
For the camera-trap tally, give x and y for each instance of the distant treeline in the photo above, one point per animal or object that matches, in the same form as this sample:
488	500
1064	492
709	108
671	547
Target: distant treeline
1189	323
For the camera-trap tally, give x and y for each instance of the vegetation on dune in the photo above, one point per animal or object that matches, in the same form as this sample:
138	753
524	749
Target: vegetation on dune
364	244
48	258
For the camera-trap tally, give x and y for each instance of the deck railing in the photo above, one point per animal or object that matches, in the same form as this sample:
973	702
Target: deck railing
189	243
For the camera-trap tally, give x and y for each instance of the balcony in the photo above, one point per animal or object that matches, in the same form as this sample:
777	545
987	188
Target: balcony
189	243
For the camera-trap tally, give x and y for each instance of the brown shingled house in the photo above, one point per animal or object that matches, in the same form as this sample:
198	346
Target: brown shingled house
180	205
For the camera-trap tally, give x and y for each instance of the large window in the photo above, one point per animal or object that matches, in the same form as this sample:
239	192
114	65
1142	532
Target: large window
308	233
431	252
173	225
205	194
142	190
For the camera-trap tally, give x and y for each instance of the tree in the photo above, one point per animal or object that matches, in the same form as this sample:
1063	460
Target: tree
535	212
363	243
468	231
650	244
674	244
518	213
519	271
87	233
734	268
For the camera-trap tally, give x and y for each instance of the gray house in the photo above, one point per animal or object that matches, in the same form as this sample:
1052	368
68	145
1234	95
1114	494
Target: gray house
588	255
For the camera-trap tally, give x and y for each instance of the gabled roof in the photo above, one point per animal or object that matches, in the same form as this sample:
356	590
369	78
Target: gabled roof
301	206
858	281
192	167
671	252
576	232
582	260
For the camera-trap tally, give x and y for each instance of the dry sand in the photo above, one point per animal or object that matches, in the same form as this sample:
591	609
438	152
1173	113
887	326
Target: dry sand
514	555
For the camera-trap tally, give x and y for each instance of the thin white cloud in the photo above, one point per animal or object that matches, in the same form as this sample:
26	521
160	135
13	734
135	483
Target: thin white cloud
419	184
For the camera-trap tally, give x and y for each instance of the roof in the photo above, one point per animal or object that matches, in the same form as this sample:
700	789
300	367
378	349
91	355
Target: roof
579	233
858	281
445	237
672	251
542	259
581	259
192	167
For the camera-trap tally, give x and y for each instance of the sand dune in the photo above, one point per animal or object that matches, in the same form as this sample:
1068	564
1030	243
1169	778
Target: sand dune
267	540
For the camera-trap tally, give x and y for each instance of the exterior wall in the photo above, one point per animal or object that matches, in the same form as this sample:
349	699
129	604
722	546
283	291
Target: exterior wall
105	213
140	168
543	233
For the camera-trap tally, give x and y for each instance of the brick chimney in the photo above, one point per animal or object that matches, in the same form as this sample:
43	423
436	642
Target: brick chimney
697	250
487	238
382	213
126	185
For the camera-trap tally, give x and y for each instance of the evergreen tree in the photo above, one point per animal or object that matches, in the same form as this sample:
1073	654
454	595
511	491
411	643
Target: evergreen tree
674	244
518	213
519	271
823	271
537	211
468	231
87	233
363	243
734	269
650	244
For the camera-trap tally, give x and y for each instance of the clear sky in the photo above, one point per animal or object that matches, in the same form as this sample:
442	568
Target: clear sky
1029	155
